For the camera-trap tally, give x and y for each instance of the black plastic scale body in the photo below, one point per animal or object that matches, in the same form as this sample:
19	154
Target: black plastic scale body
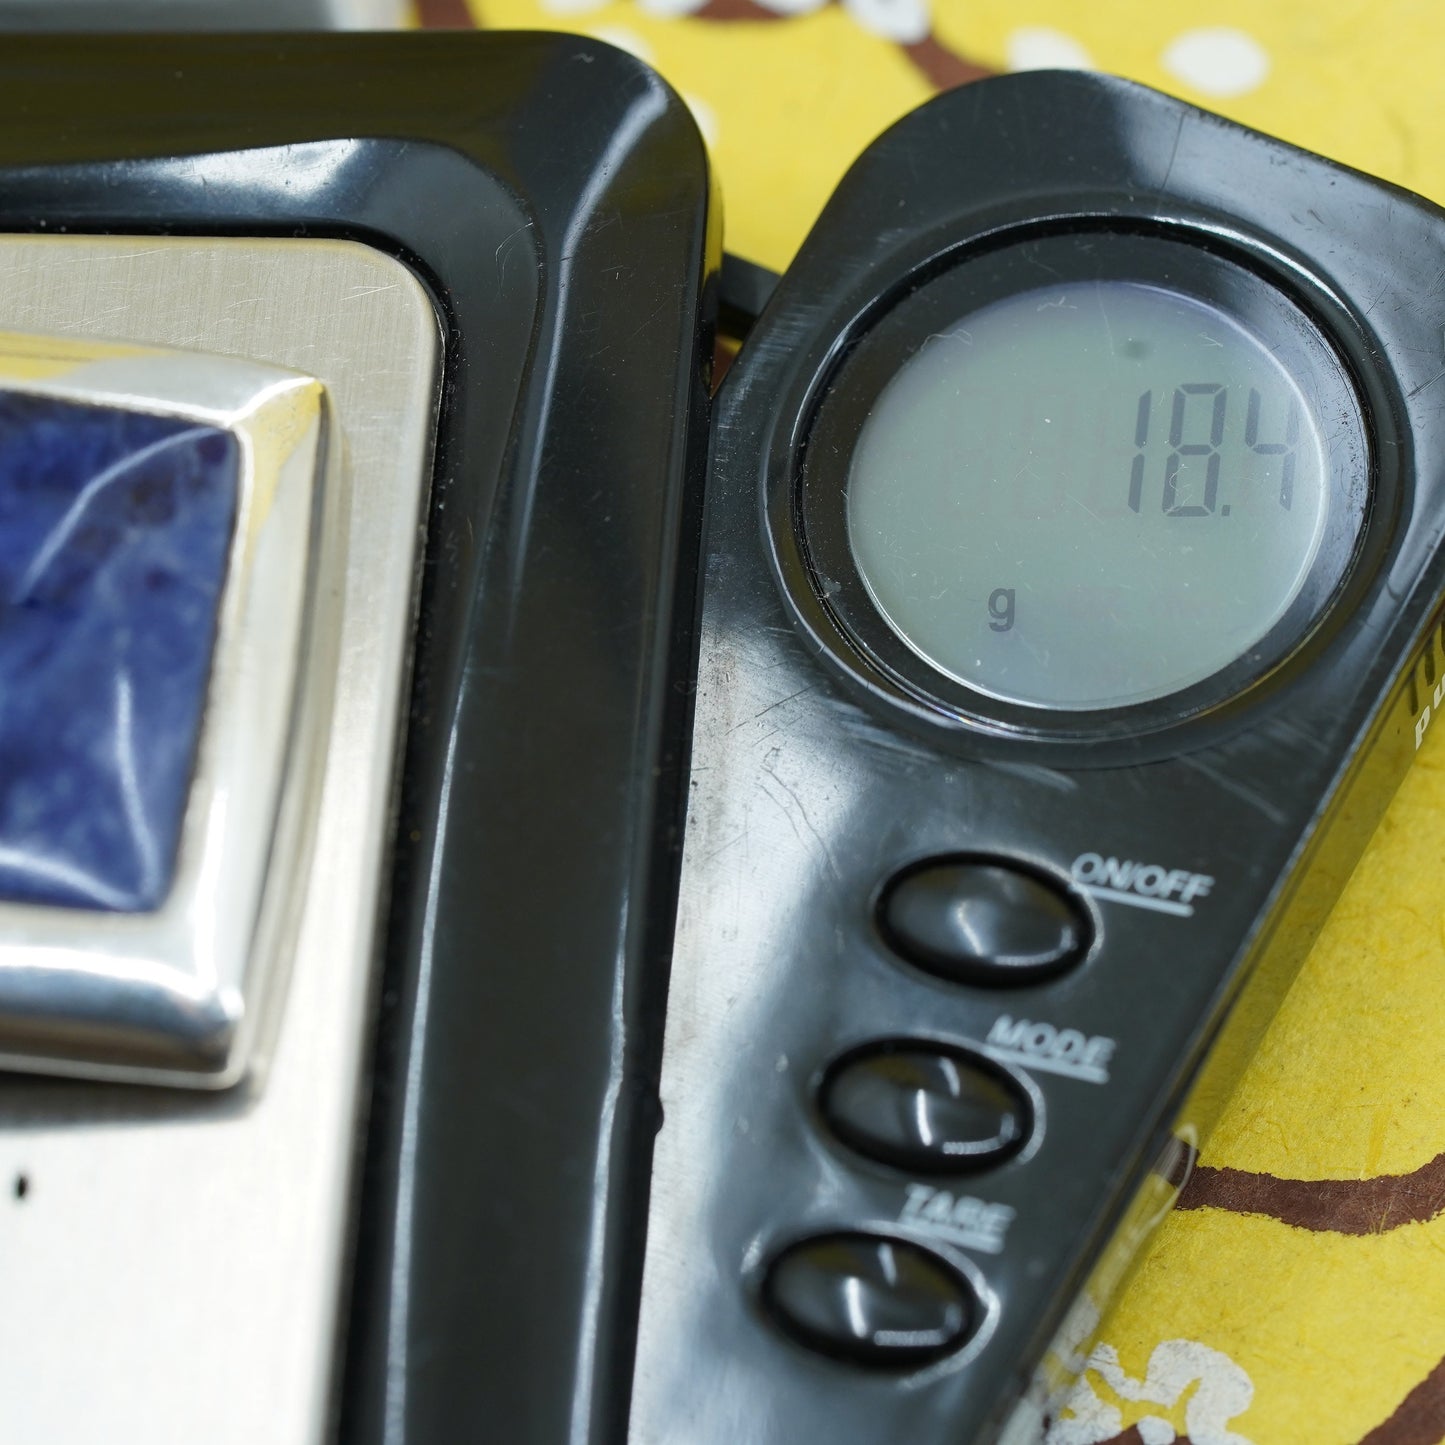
907	905
903	889
490	254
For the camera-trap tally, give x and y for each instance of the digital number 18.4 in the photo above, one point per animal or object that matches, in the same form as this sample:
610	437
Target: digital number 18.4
1199	409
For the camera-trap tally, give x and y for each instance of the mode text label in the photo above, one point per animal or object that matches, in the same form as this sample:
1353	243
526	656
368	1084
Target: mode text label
1039	1045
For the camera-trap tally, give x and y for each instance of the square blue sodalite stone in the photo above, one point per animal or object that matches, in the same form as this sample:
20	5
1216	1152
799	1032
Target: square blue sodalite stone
115	529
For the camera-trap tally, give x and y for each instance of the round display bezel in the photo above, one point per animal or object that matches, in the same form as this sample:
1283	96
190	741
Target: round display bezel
844	403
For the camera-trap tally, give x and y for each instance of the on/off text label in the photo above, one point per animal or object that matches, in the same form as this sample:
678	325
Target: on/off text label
1142	885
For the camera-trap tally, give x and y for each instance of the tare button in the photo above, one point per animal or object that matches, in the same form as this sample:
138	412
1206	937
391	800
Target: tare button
870	1300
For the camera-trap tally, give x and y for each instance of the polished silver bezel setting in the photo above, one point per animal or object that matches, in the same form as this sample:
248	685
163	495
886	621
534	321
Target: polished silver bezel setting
172	995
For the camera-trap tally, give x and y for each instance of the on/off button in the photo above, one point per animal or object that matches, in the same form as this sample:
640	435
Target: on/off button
983	921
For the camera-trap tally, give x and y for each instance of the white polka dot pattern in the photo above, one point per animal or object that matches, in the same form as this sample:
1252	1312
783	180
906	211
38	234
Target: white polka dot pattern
1217	60
1038	47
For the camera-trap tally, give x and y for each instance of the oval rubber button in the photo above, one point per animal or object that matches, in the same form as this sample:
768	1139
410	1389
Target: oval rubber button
926	1108
871	1300
982	922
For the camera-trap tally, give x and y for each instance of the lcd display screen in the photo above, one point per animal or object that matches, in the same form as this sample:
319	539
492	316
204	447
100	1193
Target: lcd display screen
1092	494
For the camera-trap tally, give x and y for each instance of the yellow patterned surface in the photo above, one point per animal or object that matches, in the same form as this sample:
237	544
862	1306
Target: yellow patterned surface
1239	1329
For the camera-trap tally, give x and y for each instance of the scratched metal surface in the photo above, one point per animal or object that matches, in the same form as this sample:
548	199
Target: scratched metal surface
172	1270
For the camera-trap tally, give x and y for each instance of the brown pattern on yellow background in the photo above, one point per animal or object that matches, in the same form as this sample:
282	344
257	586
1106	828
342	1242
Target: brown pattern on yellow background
1419	1419
1340	1206
445	14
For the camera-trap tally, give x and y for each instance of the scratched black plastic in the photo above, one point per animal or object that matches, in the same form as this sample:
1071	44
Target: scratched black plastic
818	774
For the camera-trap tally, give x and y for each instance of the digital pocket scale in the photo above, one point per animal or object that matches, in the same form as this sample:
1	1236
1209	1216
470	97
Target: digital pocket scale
1070	609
